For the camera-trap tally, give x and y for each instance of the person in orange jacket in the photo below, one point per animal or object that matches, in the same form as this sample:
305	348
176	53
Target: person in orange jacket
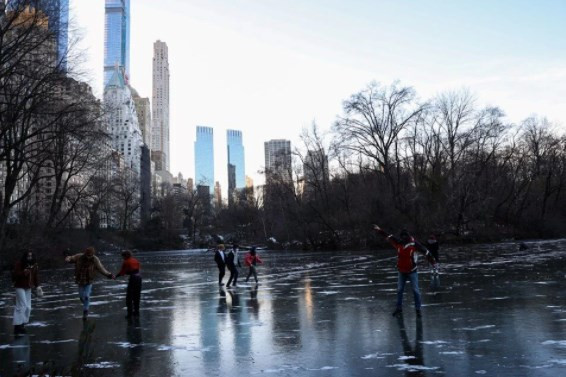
251	260
131	267
407	248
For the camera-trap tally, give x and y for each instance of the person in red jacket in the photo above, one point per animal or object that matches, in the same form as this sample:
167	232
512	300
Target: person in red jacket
131	267
24	277
407	248
251	260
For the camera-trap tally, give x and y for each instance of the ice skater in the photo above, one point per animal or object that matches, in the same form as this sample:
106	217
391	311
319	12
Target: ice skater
131	267
220	259
233	263
252	259
433	246
407	248
25	278
86	264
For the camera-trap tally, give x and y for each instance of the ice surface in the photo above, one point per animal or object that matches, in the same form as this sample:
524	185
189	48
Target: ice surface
498	312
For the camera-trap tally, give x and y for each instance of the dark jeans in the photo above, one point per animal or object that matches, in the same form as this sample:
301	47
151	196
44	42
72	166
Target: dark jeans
133	294
233	275
413	277
252	272
221	273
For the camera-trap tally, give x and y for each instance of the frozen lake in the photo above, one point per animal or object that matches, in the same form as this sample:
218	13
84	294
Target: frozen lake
499	312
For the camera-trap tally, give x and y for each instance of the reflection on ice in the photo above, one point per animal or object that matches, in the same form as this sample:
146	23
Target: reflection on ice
312	314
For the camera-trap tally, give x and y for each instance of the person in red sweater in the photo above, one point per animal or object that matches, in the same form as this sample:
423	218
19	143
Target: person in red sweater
251	260
131	267
407	248
24	277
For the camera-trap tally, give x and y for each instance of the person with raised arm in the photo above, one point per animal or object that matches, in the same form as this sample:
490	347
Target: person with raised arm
407	248
86	265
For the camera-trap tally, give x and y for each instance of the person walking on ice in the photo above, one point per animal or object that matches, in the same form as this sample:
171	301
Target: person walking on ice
131	267
407	248
233	262
86	264
251	260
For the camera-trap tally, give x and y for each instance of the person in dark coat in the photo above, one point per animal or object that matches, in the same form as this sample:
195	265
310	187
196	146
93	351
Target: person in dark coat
220	259
24	277
433	246
233	262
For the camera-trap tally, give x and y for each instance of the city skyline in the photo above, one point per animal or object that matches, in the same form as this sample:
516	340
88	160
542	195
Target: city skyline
267	56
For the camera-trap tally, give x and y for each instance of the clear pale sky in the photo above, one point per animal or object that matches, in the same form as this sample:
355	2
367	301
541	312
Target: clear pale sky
271	67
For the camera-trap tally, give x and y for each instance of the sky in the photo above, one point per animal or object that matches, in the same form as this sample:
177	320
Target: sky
271	67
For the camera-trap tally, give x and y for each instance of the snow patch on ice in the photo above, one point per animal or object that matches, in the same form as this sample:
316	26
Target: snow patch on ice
9	346
411	368
452	353
56	341
406	358
560	343
323	368
103	365
434	342
475	328
481	371
37	324
377	355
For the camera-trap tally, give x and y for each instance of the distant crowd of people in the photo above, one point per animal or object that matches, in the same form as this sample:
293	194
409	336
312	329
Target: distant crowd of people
87	265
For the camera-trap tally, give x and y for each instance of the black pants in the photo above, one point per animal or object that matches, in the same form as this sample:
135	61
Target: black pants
133	294
233	275
252	272
221	273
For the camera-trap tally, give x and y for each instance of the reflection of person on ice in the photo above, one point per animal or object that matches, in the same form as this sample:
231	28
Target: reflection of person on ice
407	248
131	266
86	265
252	259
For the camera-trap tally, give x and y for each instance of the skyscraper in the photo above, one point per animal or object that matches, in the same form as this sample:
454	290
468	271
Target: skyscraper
204	157
57	12
143	108
123	120
278	160
160	105
236	157
117	38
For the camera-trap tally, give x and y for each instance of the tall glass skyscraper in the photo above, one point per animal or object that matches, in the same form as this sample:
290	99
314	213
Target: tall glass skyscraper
204	157
116	38
236	157
57	12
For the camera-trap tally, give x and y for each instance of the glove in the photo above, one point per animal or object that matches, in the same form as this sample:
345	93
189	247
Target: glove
39	292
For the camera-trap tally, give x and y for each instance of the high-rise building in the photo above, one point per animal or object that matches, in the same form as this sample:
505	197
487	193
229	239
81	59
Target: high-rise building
278	160
117	38
236	156
160	105
217	195
57	13
143	108
123	120
204	157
